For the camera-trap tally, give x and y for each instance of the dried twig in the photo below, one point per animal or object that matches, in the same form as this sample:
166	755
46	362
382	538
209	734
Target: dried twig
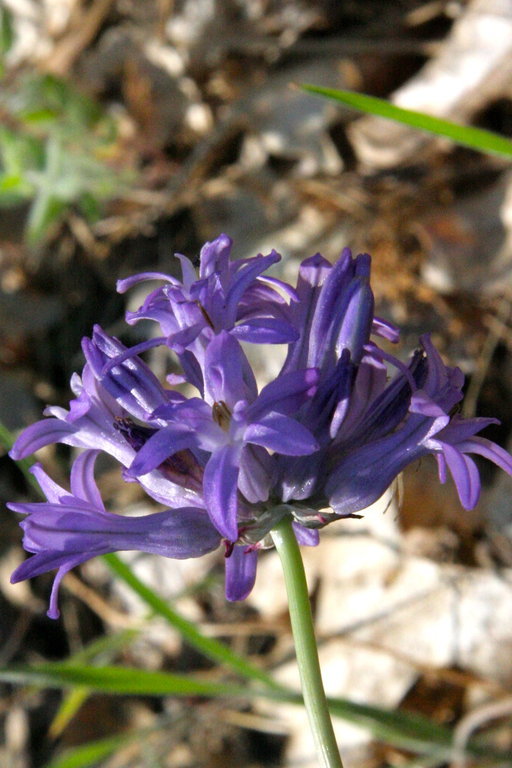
67	50
473	720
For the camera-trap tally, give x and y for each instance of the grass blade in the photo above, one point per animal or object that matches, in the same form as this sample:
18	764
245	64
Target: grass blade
466	135
88	755
409	731
118	680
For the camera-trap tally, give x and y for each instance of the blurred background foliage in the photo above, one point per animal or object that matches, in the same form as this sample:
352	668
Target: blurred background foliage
58	148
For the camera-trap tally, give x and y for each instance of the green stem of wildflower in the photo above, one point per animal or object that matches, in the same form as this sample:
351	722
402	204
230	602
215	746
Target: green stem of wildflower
305	644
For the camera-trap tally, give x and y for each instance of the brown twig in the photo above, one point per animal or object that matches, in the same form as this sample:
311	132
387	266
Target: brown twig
67	50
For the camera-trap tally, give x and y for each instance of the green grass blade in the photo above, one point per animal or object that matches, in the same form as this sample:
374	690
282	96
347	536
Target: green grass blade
6	30
403	729
409	731
117	680
104	648
211	648
466	135
70	705
88	755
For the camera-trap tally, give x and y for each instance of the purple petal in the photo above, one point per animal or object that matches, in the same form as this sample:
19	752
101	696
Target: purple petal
49	487
465	476
226	371
300	475
265	330
281	434
460	429
280	284
44	562
38	435
53	609
166	491
38	564
183	338
240	573
487	449
191	412
89	423
192	370
128	282
286	394
375	408
443	384
328	306
307	537
214	256
188	273
83	484
385	330
442	467
128	353
313	272
261	299
362	476
164	443
343	391
423	404
257	473
131	383
370	382
356	326
158	309
245	272
220	489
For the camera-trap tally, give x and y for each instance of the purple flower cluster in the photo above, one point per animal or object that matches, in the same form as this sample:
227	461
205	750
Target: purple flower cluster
322	441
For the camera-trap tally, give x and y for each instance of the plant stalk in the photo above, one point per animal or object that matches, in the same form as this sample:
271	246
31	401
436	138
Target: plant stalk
305	644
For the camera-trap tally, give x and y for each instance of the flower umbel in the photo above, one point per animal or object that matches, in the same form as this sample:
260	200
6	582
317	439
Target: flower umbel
322	441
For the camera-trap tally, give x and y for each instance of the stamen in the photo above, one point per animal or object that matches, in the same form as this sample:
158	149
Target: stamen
134	434
229	547
221	415
205	314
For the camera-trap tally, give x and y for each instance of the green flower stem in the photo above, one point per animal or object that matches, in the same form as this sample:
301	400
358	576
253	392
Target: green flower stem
305	644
